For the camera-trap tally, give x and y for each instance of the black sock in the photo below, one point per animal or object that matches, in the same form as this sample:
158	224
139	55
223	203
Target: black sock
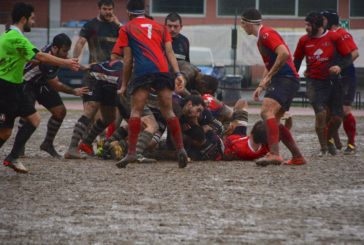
119	134
52	129
96	129
21	139
2	142
78	132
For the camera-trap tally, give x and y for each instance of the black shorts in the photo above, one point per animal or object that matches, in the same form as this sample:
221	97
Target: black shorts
45	95
156	81
349	88
283	90
13	103
100	91
319	93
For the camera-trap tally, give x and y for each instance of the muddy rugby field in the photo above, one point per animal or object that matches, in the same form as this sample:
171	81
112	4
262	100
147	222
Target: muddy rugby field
93	202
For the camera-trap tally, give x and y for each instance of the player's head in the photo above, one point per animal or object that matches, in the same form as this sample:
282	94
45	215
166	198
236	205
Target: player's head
106	10
331	18
61	44
206	84
135	8
250	19
313	22
24	14
193	106
259	133
173	21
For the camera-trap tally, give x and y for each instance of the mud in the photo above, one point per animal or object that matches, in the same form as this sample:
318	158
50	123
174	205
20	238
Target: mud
93	202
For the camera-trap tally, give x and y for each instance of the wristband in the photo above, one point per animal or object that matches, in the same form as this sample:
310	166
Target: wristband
178	74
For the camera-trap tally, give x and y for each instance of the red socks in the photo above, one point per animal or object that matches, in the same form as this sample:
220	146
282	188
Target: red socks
288	141
110	130
176	133
134	127
272	135
350	128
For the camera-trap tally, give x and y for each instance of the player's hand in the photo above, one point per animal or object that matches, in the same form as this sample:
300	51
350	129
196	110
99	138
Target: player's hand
257	93
81	91
122	90
73	64
335	70
115	19
179	84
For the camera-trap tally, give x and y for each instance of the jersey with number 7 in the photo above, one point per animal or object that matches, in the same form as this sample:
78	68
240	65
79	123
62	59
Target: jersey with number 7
147	39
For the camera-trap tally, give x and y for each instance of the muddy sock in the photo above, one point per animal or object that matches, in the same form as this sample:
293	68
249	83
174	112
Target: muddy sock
2	142
96	129
288	141
110	130
143	141
119	134
272	135
333	126
78	132
21	139
350	128
176	132
52	129
134	128
320	125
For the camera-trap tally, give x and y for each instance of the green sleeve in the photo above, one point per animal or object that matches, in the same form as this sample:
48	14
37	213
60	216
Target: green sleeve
26	48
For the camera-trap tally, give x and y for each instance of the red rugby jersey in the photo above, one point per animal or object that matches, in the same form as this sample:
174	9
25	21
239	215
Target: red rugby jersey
238	146
268	41
320	53
146	38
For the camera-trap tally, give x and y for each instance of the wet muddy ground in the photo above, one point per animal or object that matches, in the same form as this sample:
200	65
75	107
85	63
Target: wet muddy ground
93	202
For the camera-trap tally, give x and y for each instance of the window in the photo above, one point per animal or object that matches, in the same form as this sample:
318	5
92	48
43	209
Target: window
306	6
180	6
357	8
232	7
277	7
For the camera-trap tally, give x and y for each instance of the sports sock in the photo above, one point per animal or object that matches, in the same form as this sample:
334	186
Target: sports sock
320	125
350	128
21	139
78	132
52	129
143	141
288	141
272	135
110	130
119	134
134	127
333	126
95	130
176	132
2	142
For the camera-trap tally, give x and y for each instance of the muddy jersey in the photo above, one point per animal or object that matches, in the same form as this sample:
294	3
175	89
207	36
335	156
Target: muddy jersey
101	37
349	41
320	53
239	147
107	71
268	41
147	39
181	47
38	74
213	104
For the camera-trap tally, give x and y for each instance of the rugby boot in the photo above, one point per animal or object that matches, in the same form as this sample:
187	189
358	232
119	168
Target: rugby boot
269	159
86	148
350	150
143	159
295	161
73	154
49	148
129	158
331	148
182	158
16	166
323	153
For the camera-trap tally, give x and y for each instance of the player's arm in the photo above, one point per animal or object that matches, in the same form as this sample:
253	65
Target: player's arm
127	69
282	56
180	81
354	54
60	87
79	46
55	61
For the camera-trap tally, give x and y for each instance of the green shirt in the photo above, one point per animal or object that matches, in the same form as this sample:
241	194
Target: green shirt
15	51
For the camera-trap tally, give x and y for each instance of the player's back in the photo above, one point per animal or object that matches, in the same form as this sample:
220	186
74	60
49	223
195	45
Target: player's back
146	38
